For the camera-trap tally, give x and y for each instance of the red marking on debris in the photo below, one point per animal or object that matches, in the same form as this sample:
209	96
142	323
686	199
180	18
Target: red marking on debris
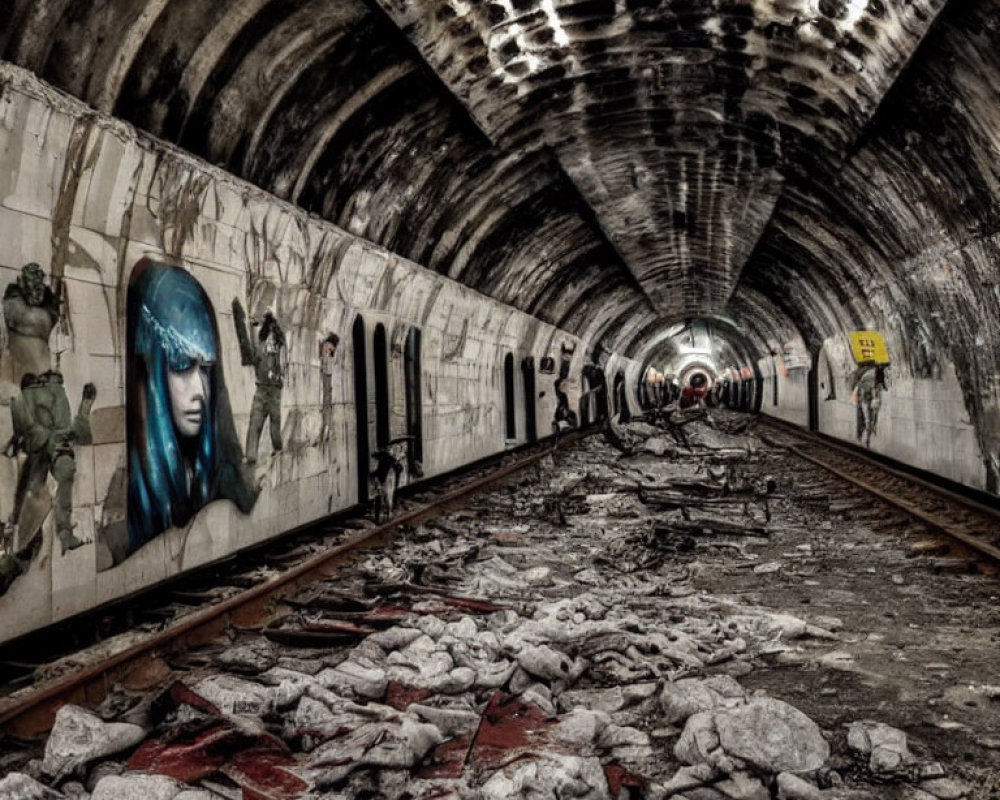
506	536
471	605
180	693
509	729
338	627
255	762
448	759
262	773
386	611
383	616
188	761
400	696
617	777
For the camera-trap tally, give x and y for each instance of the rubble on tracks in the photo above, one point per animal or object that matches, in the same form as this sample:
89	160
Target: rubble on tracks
551	639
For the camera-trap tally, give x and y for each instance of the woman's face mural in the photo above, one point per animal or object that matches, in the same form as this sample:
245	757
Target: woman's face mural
189	393
182	447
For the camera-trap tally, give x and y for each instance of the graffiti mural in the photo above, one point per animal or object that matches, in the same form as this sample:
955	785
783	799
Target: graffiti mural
869	382
183	451
565	417
268	355
45	431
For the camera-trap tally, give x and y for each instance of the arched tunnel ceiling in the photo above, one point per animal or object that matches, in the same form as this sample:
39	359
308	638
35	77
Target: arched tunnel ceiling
677	121
610	166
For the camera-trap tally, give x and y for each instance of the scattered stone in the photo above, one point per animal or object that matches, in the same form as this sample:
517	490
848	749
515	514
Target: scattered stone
73	790
551	776
250	658
18	786
690	777
355	679
688	696
913	793
886	746
945	788
743	786
79	737
698	741
233	695
136	786
544	662
773	736
792	787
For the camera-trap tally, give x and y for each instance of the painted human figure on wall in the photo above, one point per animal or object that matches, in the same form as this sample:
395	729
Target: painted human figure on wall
183	452
327	351
31	311
268	355
565	417
869	383
45	430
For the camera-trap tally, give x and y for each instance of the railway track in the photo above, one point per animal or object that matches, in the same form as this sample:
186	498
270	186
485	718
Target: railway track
417	669
249	598
972	524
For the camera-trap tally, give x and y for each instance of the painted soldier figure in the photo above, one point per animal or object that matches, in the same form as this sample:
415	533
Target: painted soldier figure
31	311
44	427
267	354
46	431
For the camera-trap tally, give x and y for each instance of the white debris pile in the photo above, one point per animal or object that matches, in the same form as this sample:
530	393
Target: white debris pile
603	675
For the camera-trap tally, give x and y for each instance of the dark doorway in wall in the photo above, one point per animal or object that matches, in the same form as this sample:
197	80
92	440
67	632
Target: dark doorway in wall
757	389
510	423
621	401
586	402
774	378
382	434
414	402
598	397
528	374
814	392
644	401
361	406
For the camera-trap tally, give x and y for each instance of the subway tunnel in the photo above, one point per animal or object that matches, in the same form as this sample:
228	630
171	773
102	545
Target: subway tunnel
458	227
795	170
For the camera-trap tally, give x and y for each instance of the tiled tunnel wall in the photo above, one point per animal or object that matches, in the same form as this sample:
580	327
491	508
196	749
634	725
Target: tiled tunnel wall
89	198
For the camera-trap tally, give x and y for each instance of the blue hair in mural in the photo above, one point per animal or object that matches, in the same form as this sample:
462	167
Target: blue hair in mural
183	452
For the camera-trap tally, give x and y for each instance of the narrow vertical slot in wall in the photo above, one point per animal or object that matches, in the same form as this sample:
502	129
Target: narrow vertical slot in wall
510	421
530	423
382	426
361	406
814	392
414	402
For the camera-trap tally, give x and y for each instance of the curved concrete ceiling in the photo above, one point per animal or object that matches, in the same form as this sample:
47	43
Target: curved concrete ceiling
611	166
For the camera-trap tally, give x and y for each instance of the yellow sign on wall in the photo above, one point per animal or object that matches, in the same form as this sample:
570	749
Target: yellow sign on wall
868	347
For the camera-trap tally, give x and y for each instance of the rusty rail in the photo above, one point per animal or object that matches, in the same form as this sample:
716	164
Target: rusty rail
918	489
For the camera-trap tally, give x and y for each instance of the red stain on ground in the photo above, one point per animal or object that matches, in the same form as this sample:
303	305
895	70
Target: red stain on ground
510	728
471	605
257	763
448	759
400	696
618	777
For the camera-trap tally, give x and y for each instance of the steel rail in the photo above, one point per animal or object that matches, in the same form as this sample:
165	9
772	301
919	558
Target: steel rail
956	530
29	715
